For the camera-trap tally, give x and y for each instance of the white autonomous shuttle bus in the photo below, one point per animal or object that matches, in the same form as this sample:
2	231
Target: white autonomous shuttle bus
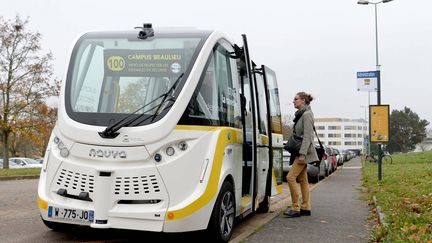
166	131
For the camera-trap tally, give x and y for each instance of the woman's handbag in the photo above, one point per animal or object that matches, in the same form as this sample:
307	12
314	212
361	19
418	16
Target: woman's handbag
293	144
319	149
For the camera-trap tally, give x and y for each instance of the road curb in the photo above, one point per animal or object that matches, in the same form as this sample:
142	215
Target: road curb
20	177
379	211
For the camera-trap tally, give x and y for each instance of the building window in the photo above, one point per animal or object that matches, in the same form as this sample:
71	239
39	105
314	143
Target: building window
350	143
334	128
359	143
334	143
349	135
334	135
320	135
359	135
320	128
350	127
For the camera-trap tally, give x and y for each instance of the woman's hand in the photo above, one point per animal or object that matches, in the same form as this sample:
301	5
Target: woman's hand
302	159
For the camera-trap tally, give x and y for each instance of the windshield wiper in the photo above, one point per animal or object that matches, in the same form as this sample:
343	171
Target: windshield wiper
111	131
172	98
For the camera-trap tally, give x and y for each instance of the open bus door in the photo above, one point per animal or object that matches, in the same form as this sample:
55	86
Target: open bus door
270	140
275	131
249	134
263	139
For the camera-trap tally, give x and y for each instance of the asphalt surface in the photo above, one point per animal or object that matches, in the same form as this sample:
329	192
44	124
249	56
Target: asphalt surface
338	213
337	216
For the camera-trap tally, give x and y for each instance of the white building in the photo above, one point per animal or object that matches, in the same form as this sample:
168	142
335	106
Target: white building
342	133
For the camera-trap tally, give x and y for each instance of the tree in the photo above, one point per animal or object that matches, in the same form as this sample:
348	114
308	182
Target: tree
406	130
287	126
24	77
32	138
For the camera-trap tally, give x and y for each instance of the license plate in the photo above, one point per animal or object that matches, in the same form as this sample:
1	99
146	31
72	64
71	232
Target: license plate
71	214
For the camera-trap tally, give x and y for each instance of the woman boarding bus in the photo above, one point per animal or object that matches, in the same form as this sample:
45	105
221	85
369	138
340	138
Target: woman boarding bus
166	131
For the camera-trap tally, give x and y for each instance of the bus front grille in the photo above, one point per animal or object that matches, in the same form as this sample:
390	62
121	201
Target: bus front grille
74	181
136	185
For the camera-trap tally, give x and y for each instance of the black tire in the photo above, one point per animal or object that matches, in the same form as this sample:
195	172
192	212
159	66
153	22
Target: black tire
387	159
327	172
371	159
58	226
315	179
223	210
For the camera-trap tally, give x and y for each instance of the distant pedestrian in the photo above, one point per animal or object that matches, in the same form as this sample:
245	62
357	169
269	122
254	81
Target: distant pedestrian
303	127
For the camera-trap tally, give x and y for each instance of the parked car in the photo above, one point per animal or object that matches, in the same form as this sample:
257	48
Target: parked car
323	166
286	156
39	160
346	155
356	152
12	164
25	162
330	162
339	157
352	154
313	169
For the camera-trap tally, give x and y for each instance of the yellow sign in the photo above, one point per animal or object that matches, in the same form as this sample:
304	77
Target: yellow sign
379	123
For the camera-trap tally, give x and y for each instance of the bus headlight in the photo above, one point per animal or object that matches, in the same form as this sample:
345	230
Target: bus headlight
64	152
182	145
170	151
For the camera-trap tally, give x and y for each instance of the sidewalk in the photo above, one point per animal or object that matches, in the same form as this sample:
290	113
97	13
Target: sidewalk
338	214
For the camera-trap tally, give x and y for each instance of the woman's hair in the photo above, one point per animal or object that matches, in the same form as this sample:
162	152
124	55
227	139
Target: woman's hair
306	97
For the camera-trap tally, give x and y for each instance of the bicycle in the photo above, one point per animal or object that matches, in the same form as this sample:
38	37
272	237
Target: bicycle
386	158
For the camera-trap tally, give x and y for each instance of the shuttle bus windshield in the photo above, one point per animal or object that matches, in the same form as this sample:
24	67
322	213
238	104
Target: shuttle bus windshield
111	77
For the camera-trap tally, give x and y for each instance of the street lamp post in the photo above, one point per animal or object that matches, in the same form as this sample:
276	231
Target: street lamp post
365	2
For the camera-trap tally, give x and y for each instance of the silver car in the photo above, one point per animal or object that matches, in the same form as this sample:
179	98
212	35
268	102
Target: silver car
25	162
313	169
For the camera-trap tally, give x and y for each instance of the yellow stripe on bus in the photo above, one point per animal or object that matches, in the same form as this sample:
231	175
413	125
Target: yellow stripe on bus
226	136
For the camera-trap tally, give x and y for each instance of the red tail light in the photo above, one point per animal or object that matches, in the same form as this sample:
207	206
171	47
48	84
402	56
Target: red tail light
325	157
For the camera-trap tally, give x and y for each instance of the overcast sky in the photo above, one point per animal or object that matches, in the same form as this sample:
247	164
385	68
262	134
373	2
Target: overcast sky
314	46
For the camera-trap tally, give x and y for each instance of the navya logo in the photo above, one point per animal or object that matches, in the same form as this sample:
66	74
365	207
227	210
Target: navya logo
107	153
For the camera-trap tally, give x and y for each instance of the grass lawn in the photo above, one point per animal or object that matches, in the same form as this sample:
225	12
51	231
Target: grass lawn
405	197
16	172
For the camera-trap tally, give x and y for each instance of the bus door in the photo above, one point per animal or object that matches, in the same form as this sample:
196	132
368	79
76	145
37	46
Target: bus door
262	137
275	130
249	132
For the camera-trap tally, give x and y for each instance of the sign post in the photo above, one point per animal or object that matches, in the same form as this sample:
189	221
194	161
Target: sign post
367	81
379	129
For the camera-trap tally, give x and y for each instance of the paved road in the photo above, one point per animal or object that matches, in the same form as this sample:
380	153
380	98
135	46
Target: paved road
20	221
338	214
333	219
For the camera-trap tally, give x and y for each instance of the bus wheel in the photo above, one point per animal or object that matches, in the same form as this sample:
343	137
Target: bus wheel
222	218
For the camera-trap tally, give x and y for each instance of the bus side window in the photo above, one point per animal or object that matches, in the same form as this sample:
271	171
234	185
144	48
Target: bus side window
216	100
